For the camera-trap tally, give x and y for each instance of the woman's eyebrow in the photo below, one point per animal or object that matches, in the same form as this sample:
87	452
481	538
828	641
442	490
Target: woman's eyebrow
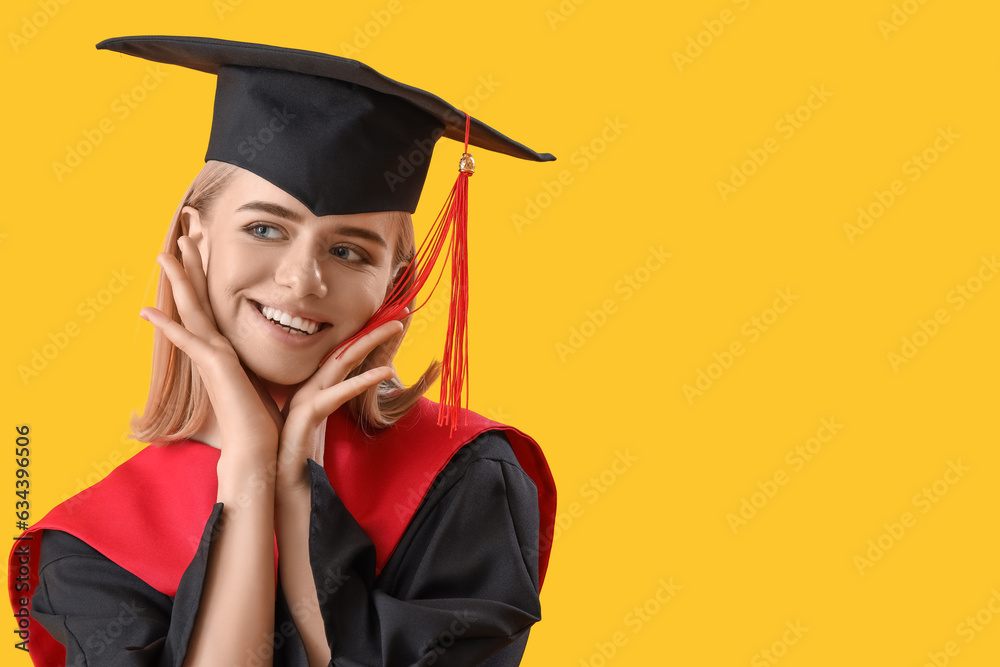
271	208
363	233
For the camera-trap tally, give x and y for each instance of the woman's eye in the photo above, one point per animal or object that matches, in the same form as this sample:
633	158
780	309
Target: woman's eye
345	253
263	231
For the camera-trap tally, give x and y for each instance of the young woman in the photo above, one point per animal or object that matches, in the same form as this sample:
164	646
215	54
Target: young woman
297	507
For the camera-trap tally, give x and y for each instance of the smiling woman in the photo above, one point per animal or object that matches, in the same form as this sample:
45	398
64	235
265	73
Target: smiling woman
254	223
299	504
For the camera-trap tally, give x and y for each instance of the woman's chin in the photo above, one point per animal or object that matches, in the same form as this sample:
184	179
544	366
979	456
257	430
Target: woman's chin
276	372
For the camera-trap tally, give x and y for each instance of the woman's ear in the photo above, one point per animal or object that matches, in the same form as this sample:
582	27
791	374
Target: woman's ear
193	226
396	277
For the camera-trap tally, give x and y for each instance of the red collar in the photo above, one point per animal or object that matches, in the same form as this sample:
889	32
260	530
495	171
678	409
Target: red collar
161	499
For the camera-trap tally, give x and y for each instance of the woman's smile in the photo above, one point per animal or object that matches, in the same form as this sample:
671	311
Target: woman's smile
285	318
291	332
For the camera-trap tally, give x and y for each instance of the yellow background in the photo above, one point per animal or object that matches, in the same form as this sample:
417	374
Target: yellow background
661	133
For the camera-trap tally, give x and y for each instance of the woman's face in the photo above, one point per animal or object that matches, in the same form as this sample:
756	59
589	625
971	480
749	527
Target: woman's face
287	287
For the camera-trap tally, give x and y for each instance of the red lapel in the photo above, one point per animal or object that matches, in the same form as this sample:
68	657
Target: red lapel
162	497
159	499
403	461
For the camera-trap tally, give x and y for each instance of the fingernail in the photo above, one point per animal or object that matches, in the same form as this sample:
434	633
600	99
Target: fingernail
143	315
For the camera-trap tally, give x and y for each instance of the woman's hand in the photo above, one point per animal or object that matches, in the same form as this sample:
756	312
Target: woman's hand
303	434
245	412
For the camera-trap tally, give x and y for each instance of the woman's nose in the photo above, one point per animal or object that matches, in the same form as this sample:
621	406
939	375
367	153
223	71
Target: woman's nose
299	270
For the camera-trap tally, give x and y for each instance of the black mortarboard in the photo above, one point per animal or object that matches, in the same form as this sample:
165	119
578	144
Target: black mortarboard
332	132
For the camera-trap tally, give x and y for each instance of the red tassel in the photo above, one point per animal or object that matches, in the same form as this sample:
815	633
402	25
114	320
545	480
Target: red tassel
454	218
455	368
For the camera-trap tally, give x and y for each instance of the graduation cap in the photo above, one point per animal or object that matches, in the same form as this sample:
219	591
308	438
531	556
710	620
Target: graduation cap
342	139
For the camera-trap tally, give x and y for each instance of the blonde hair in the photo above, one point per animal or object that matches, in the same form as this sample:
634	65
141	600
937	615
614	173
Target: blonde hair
178	402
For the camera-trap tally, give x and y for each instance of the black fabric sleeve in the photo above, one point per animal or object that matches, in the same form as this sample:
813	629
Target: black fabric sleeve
461	587
105	615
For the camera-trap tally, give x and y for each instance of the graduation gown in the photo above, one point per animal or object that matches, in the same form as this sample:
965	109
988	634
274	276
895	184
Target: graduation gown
425	550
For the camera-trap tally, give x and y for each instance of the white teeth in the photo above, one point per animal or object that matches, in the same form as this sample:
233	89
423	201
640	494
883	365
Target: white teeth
286	320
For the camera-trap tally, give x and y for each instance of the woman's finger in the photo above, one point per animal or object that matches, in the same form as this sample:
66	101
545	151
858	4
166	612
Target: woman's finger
178	334
335	370
327	390
196	274
188	306
330	399
301	422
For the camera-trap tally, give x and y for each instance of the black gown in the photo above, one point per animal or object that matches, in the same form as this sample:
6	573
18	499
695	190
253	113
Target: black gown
461	587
